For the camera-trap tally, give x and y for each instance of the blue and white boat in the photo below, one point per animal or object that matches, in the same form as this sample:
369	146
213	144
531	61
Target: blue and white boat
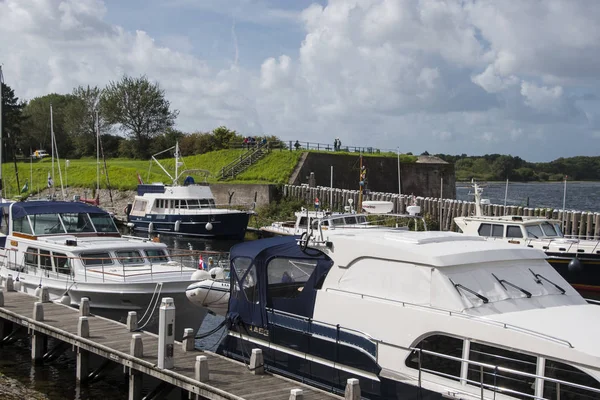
413	315
186	210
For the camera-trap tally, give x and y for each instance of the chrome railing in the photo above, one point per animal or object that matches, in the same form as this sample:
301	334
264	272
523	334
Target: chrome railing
461	315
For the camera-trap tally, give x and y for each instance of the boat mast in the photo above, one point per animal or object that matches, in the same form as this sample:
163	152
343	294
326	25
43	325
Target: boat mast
97	156
176	163
52	145
361	183
1	110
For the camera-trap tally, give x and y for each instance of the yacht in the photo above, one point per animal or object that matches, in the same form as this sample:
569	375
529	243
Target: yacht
412	315
186	209
75	250
577	260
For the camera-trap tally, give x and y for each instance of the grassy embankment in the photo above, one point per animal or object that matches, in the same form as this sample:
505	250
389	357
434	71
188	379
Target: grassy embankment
276	167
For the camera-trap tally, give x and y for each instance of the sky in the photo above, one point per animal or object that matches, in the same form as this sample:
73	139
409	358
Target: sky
444	76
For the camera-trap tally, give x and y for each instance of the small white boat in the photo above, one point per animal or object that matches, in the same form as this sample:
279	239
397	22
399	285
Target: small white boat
211	291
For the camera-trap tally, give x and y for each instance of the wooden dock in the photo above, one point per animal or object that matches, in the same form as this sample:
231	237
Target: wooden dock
197	374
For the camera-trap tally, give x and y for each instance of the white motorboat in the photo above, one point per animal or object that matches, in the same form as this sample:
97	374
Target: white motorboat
75	250
186	209
309	220
577	260
413	315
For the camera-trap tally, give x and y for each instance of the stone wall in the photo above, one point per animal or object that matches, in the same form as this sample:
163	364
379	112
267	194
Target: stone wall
420	179
243	194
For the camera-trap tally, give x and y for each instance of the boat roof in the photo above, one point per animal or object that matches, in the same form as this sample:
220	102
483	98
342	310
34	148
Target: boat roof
514	219
433	248
23	208
77	243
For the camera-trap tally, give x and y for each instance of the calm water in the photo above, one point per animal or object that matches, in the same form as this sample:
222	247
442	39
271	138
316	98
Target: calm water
581	196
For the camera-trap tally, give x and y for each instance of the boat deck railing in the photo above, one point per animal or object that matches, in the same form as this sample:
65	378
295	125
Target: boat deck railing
179	261
539	381
458	314
485	369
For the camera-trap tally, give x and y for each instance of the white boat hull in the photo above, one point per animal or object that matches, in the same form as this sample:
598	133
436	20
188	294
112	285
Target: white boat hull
114	300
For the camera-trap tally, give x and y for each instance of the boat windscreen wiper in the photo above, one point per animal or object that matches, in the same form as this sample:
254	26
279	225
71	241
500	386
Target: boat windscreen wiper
503	282
474	293
539	277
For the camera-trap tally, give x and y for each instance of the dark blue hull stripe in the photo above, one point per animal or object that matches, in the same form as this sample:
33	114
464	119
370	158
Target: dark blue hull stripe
319	372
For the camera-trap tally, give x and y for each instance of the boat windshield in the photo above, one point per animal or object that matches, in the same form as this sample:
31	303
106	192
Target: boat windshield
67	223
545	229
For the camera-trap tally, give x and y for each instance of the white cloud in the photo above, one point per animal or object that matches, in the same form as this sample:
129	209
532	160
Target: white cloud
542	98
387	72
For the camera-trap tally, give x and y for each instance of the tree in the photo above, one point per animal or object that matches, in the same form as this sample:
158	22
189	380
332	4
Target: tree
223	137
12	120
37	125
80	120
140	108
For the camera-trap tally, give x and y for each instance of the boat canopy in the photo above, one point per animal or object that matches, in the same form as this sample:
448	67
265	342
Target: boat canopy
21	209
274	273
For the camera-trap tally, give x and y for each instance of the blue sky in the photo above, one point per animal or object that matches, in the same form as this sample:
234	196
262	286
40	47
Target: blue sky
447	76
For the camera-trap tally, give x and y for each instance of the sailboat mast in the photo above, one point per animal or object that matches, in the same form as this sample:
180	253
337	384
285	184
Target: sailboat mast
1	111
360	184
97	155
52	143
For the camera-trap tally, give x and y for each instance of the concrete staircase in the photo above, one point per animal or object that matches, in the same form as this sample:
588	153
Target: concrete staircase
245	161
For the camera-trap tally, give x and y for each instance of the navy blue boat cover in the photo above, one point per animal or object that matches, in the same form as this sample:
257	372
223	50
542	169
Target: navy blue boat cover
21	209
261	252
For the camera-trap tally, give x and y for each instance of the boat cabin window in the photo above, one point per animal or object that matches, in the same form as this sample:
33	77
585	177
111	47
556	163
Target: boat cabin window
286	277
45	260
193	204
564	372
551	229
31	257
156	255
303	221
139	205
494	230
22	225
94	259
245	287
350	220
61	263
130	257
502	358
104	223
436	364
44	224
77	222
513	231
534	231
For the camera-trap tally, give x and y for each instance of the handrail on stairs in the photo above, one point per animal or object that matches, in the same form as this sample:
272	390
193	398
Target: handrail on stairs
248	156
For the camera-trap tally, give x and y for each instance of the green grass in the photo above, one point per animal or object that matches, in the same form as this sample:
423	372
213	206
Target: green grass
276	168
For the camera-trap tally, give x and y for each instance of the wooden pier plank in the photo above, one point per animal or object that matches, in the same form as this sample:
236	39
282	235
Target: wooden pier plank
229	379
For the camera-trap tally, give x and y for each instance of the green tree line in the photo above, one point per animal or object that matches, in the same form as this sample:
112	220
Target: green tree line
498	167
133	116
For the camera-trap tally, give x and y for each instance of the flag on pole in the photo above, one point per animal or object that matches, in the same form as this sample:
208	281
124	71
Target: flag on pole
50	181
139	178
